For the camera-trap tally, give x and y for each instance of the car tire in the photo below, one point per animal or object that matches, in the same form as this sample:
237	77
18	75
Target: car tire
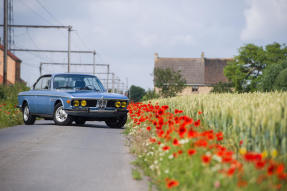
80	121
28	118
117	122
60	116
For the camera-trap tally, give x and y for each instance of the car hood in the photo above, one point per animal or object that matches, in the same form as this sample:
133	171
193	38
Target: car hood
96	95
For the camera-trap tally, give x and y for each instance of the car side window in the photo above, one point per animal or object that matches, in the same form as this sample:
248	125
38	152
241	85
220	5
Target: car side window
43	84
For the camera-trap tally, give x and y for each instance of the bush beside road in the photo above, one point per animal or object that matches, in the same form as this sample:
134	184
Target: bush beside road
9	114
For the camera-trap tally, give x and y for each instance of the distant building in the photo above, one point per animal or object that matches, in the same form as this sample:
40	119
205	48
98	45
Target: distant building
200	73
13	67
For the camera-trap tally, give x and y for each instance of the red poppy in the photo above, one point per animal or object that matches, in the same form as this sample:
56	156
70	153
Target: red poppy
260	164
160	112
182	131
282	176
280	169
188	120
249	156
171	183
201	143
148	128
271	169
165	107
191	152
176	119
180	152
241	142
174	155
152	140
231	171
219	136
205	159
154	123
199	113
160	122
192	134
197	123
175	142
165	148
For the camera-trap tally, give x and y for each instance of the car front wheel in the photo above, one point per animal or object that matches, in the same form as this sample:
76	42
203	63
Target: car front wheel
117	122
28	118
60	116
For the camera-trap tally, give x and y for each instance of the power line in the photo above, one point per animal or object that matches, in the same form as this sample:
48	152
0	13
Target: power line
82	41
35	12
40	26
29	36
55	51
49	13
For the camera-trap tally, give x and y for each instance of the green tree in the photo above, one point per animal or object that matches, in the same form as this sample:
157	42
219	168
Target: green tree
281	81
222	88
269	76
150	94
168	81
136	93
247	69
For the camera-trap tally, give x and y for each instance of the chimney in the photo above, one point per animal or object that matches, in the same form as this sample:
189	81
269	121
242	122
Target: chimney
155	56
203	66
202	55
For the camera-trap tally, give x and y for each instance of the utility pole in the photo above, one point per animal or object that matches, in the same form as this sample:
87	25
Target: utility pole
94	62
118	85
5	29
113	82
69	48
108	77
127	86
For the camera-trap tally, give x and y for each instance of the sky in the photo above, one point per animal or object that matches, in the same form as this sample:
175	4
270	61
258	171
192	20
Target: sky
127	33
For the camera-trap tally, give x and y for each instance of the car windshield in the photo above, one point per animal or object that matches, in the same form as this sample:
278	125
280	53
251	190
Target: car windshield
77	82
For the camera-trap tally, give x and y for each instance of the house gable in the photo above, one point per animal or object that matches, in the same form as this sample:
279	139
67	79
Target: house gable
196	71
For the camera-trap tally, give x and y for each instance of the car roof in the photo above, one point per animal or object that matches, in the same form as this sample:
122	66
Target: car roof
76	74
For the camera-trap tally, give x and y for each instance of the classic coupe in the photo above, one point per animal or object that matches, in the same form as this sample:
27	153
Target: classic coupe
72	97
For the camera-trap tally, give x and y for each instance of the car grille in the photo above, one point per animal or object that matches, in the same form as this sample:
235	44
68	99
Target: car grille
91	103
111	103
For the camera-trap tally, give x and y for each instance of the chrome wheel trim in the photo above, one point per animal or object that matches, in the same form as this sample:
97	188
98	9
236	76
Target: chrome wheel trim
61	114
26	113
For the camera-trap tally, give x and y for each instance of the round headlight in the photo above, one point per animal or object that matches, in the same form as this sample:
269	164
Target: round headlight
118	104
83	103
76	103
124	104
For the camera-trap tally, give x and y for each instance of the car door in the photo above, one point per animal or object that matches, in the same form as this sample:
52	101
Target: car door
43	95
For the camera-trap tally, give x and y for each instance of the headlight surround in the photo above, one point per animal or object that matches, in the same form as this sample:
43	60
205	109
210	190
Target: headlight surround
83	103
76	103
124	104
118	104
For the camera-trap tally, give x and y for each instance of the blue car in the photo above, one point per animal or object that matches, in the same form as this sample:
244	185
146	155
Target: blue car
72	97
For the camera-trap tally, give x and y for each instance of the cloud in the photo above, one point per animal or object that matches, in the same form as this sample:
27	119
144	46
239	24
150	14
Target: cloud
265	20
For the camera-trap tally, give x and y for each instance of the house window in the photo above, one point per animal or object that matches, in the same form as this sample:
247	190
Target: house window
194	88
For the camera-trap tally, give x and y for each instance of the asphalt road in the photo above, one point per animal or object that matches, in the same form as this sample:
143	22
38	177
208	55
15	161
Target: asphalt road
44	157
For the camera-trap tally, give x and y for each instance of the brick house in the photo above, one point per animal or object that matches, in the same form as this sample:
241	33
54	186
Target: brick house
13	67
200	73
